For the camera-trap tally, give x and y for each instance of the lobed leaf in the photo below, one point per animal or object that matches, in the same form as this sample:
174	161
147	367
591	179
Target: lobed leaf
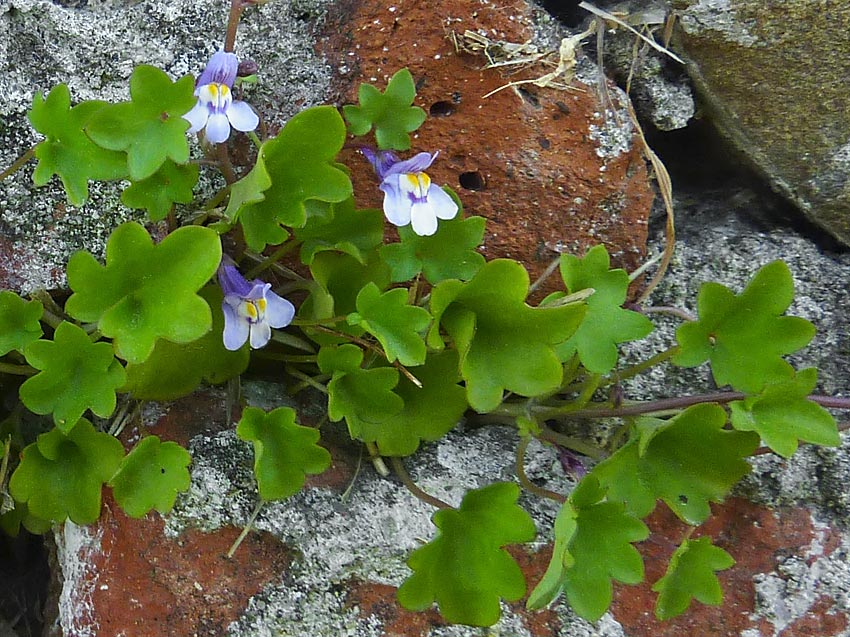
173	370
284	451
397	325
151	476
356	394
606	323
300	162
19	322
782	414
465	568
743	336
602	550
150	127
345	229
172	183
74	375
448	254
429	412
146	292
692	460
68	152
688	461
391	113
339	278
61	475
504	344
691	575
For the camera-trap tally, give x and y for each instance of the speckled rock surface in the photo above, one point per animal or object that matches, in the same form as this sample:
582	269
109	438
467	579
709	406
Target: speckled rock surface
773	77
658	85
93	47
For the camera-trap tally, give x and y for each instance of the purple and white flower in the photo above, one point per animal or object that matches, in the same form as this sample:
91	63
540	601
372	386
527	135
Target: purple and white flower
216	110
409	195
250	309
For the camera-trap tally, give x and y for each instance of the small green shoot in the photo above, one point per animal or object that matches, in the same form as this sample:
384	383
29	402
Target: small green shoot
390	112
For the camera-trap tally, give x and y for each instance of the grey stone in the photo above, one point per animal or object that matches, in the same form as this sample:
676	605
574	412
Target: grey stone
658	85
773	78
94	48
366	535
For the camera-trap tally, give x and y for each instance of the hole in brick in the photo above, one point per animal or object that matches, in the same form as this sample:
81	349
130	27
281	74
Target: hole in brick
442	108
472	180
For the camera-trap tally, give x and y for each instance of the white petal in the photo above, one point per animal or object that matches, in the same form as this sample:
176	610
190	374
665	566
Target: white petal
396	202
279	311
197	117
235	328
260	334
441	203
424	219
242	117
218	128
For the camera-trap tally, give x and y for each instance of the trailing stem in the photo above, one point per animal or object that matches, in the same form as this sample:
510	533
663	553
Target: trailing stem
527	484
408	482
18	164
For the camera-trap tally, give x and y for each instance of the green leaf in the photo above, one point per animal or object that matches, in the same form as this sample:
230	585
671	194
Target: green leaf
447	254
389	112
465	568
19	322
504	343
357	394
339	278
172	183
11	521
173	370
693	460
688	461
346	229
429	412
151	476
342	277
300	162
602	549
744	335
251	189
150	127
619	474
397	325
146	291
606	322
552	583
690	575
68	152
782	414
284	452
75	375
61	476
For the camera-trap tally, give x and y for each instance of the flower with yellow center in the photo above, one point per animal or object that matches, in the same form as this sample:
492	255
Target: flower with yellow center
216	111
250	310
409	195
